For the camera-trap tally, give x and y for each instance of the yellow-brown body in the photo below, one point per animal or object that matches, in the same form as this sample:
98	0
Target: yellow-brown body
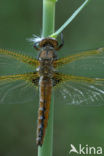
46	70
44	107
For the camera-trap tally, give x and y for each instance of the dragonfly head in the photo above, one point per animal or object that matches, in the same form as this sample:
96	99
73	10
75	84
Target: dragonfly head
48	41
52	42
43	42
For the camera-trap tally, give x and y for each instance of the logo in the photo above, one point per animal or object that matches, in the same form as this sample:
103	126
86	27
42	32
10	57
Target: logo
86	150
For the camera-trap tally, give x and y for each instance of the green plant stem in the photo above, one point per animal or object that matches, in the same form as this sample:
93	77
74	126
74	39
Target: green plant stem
48	28
70	19
48	17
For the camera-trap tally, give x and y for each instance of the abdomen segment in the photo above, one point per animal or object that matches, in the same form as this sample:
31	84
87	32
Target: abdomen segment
45	86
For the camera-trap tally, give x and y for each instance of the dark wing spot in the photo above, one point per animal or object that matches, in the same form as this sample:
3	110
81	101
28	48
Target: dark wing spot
35	81
56	80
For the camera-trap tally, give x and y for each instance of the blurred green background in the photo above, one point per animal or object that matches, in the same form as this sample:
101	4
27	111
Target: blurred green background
72	124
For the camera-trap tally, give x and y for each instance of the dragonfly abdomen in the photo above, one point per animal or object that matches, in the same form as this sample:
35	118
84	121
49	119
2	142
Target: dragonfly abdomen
45	85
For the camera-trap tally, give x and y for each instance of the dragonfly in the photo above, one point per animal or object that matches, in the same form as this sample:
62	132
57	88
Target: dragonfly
45	78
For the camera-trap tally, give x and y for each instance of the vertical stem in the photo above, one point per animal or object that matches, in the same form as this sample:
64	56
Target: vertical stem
48	17
48	28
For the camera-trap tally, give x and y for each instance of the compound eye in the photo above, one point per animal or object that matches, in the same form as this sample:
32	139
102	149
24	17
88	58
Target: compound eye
36	46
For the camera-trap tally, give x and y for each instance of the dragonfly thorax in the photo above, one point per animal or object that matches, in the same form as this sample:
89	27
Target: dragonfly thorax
47	53
46	58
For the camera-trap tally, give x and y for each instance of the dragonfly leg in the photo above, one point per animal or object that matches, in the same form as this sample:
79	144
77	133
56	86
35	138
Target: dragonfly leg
62	43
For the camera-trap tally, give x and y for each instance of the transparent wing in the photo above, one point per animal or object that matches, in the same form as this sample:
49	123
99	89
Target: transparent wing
16	89
75	57
9	66
17	92
80	91
20	57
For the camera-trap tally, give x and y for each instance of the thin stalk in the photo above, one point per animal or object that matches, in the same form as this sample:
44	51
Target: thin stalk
70	19
48	17
48	28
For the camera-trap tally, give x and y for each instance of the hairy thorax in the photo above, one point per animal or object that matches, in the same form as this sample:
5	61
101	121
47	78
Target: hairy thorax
47	56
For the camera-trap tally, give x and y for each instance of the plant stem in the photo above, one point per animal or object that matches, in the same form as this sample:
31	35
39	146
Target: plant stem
48	28
48	17
70	19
